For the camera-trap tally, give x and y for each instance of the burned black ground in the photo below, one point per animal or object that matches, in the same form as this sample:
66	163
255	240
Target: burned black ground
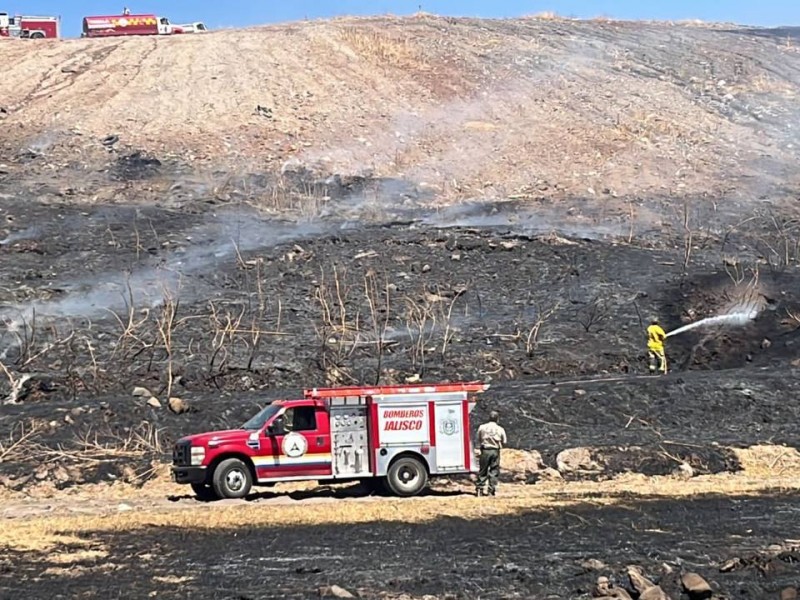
227	308
532	554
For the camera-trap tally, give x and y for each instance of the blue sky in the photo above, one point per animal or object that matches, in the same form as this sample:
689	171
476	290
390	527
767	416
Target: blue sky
238	13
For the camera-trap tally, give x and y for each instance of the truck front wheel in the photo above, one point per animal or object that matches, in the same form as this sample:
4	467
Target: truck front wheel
232	479
204	492
406	477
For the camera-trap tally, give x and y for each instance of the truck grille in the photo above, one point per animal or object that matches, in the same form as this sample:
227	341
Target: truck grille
181	454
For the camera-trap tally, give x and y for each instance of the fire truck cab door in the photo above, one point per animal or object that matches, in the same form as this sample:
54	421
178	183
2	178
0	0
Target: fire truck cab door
297	445
164	26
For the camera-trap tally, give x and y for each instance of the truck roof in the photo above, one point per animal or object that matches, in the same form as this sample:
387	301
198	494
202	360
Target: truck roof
120	17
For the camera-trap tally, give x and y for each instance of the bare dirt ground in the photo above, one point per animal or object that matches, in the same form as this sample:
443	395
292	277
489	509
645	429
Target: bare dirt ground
415	199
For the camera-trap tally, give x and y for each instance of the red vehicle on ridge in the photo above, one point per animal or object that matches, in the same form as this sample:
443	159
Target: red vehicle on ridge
147	24
29	27
396	437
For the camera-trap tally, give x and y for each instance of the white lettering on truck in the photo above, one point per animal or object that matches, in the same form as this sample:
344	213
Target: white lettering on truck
403	425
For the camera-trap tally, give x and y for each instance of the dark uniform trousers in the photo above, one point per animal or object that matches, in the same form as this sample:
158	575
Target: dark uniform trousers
489	468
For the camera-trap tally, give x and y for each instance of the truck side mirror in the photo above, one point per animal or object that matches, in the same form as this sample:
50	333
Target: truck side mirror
277	427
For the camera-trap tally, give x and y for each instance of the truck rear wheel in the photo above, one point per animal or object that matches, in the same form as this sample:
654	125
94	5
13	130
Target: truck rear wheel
37	35
406	477
232	479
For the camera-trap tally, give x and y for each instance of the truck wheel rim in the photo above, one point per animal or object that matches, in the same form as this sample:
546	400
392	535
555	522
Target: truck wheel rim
407	476
235	480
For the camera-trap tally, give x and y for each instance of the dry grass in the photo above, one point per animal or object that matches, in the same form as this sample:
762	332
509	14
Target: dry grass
767	469
382	49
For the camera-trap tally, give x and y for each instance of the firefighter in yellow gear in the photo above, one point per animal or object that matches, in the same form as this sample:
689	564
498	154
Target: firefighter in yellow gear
655	347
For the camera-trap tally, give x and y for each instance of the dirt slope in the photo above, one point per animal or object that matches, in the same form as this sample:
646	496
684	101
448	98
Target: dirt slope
472	107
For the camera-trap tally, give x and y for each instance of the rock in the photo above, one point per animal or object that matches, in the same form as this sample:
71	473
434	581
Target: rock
426	268
789	593
177	405
796	362
695	586
61	475
523	464
334	591
140	392
124	507
154	402
455	256
579	393
576	459
654	593
548	474
765	343
730	565
605	589
639	582
593	564
683	471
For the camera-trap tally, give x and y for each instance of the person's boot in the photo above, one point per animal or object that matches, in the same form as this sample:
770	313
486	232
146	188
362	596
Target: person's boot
480	492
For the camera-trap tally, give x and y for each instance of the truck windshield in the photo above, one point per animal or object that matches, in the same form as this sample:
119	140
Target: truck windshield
264	415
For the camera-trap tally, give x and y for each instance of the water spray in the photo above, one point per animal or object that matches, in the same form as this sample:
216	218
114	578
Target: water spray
738	316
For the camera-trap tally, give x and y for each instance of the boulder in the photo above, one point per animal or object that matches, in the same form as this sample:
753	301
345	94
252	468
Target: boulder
574	460
154	402
546	474
789	593
140	392
639	581
605	589
654	593
695	586
522	465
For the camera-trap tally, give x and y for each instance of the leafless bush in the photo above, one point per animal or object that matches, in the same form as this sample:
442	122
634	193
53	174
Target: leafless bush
225	325
421	324
19	441
339	326
167	321
93	447
542	316
593	314
379	300
781	247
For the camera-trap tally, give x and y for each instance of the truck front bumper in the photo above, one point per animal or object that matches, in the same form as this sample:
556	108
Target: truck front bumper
189	474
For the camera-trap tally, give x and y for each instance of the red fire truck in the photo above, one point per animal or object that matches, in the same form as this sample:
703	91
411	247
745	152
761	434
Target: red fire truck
395	437
29	27
116	25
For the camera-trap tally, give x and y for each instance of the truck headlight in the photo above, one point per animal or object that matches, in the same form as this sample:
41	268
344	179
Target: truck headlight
198	455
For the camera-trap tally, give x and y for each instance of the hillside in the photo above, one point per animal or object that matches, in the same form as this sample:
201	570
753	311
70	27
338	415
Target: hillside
532	107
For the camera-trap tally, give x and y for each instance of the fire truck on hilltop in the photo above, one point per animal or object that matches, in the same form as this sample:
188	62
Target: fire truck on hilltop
395	437
148	24
29	27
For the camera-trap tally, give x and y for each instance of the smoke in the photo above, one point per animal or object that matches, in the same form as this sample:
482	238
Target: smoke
28	233
209	246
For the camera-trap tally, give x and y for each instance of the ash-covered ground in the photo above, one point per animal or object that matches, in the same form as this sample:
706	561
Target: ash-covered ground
226	307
